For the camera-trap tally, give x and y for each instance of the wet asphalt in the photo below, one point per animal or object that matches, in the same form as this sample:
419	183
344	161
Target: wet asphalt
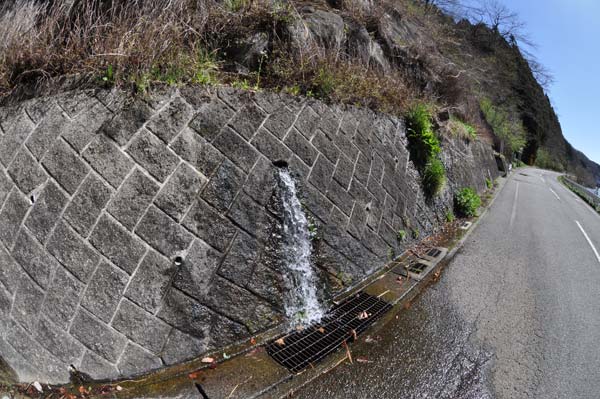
516	313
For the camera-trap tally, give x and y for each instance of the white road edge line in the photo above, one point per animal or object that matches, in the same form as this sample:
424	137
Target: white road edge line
589	241
556	195
514	209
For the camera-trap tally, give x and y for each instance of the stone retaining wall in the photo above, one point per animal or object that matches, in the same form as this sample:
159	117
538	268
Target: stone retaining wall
137	233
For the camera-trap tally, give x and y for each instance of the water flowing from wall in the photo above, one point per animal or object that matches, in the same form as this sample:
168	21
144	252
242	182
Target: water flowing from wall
302	302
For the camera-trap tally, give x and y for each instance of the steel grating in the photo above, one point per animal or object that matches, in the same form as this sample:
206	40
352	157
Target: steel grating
417	268
434	252
343	323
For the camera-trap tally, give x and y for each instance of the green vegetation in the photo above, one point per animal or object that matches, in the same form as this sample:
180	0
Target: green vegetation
450	216
467	201
510	130
415	233
425	148
401	236
489	183
545	161
462	129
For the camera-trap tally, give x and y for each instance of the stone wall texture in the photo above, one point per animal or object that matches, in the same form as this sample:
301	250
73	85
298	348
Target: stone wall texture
139	232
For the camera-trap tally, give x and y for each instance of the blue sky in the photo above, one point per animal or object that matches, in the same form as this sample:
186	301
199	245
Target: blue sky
568	35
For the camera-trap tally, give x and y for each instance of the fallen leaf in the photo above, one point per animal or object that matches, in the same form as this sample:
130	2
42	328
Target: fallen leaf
226	356
369	340
354	336
252	341
363	360
299	328
363	315
321	330
194	375
280	342
208	359
82	390
119	388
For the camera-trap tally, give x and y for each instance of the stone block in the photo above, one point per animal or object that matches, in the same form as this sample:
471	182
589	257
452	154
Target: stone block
236	149
307	122
298	169
358	220
46	132
108	160
16	130
344	170
181	347
34	259
251	217
151	153
136	361
211	118
46	211
362	168
10	272
268	284
270	146
261	181
180	191
315	202
224	185
73	252
5	302
65	166
192	147
62	298
206	223
151	282
97	336
363	142
376	169
388	234
169	122
26	172
127	122
326	146
321	174
163	233
12	214
34	354
330	122
97	367
241	260
240	305
119	246
344	143
186	314
73	103
85	207
140	326
27	303
340	197
132	199
196	273
247	120
83	130
374	243
104	291
226	332
58	342
280	121
301	147
5	186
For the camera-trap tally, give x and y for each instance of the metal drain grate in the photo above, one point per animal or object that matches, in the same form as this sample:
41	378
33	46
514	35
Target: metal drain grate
434	252
300	349
417	268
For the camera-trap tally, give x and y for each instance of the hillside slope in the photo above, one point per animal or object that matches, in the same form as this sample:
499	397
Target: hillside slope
385	55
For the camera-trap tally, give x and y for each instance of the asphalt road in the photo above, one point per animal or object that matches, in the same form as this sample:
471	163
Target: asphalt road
516	314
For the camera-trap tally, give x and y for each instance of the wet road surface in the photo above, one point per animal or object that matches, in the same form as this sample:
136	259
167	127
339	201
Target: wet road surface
516	313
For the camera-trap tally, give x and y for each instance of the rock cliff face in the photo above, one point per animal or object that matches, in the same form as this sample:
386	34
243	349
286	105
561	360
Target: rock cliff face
136	233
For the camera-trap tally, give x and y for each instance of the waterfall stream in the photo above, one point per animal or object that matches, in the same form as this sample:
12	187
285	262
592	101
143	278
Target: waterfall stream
302	303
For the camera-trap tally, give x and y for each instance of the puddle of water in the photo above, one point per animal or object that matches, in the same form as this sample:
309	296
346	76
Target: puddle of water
302	302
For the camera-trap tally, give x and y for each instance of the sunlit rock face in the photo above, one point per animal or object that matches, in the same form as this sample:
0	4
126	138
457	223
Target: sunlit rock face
136	233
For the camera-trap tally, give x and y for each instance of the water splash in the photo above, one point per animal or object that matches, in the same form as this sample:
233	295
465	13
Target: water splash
302	303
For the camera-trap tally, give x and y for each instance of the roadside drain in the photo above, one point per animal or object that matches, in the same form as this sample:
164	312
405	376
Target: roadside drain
342	323
416	270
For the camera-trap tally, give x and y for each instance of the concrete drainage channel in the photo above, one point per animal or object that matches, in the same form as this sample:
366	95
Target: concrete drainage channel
285	362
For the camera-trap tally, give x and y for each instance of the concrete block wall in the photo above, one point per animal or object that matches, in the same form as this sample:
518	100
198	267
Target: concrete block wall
136	233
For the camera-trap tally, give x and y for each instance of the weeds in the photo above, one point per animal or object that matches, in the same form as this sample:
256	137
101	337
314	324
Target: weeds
489	183
425	148
450	216
467	201
401	235
462	129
